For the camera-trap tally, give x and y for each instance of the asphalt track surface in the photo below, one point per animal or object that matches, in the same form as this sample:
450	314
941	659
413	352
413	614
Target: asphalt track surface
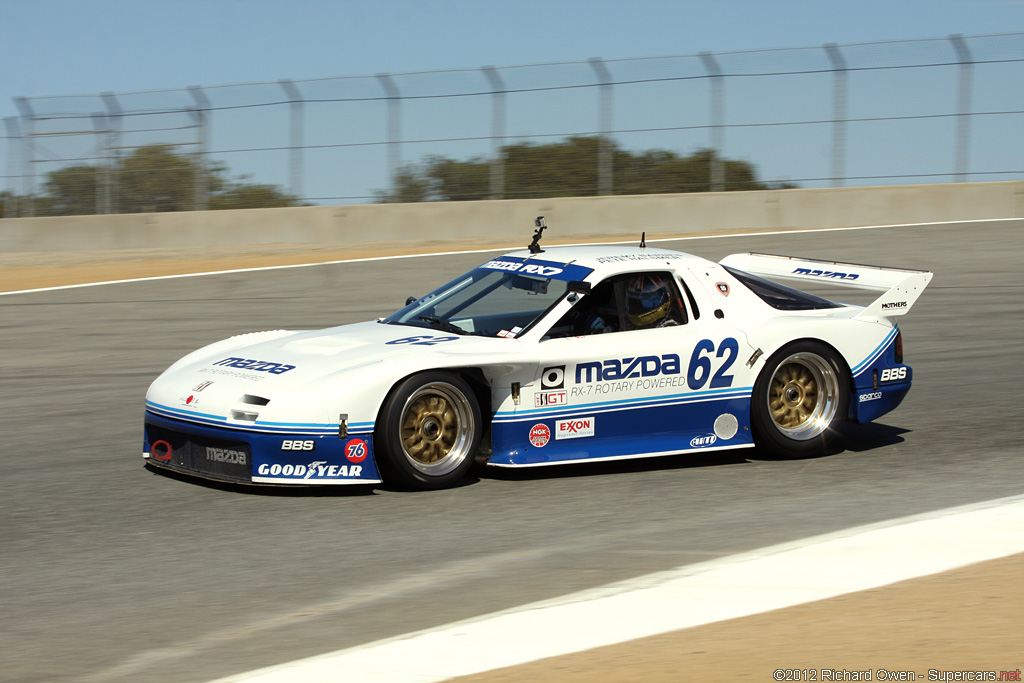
111	572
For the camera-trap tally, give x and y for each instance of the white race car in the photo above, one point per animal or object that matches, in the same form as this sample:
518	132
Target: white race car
544	357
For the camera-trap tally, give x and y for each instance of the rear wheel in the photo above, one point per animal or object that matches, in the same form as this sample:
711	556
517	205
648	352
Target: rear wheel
800	399
429	432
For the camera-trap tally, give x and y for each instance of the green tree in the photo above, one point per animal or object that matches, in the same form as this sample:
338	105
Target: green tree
568	169
153	178
239	195
68	191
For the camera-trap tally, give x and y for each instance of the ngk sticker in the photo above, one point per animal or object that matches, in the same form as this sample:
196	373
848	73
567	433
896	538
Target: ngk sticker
540	435
574	428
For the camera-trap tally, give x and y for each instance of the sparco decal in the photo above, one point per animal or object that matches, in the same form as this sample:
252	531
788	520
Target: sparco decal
225	455
314	470
826	273
257	365
873	396
575	428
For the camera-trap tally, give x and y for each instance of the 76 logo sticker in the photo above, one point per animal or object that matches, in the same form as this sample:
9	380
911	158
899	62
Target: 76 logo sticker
356	450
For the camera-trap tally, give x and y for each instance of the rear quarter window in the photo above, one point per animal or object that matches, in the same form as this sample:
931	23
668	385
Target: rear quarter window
779	296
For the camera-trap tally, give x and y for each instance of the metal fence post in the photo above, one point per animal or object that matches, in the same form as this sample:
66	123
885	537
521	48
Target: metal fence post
28	171
604	150
13	147
103	170
963	109
114	121
296	135
717	121
394	125
838	114
497	132
201	186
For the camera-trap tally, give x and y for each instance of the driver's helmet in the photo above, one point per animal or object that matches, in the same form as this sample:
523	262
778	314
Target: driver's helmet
647	299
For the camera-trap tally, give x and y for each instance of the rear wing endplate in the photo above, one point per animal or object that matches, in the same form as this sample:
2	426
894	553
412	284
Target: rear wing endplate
901	287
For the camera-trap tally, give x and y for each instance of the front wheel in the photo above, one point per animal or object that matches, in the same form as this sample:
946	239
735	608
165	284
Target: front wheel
429	431
800	399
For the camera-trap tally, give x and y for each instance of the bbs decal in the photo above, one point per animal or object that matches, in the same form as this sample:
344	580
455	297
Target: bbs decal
893	374
298	445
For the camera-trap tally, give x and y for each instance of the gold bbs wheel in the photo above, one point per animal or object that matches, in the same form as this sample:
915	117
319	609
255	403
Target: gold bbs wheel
429	431
803	396
800	399
435	429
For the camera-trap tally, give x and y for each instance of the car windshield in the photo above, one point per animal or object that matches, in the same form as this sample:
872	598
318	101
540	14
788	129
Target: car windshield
501	298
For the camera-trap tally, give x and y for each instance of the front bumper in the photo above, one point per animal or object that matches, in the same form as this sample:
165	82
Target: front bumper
241	456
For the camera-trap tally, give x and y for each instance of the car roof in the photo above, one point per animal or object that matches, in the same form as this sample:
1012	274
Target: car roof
606	260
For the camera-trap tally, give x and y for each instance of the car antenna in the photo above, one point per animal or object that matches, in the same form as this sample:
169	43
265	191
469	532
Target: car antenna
535	244
643	240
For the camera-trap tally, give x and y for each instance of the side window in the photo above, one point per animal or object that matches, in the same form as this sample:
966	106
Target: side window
623	303
689	297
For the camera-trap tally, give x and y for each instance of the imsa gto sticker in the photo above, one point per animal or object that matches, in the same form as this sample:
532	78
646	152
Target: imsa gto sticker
550	398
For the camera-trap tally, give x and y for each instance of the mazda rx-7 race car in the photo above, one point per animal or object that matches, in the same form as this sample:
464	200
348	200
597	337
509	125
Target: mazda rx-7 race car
544	357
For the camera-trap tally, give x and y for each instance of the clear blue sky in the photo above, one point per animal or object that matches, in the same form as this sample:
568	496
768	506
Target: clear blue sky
67	47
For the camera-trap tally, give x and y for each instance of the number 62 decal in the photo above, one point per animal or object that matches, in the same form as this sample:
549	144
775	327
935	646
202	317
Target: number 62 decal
701	366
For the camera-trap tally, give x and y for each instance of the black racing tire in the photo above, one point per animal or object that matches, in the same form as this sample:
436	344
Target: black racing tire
800	400
429	431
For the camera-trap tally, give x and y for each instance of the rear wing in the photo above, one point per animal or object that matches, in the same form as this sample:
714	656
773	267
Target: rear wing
901	287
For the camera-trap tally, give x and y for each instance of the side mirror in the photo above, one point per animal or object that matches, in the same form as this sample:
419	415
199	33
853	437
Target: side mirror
579	287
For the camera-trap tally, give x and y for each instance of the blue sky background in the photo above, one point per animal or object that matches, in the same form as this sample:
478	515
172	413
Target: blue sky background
68	47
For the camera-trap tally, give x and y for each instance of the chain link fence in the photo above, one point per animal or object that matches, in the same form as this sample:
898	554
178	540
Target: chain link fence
911	111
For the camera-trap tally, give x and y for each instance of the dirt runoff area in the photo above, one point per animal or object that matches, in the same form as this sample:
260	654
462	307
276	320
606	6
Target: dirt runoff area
966	624
36	270
966	620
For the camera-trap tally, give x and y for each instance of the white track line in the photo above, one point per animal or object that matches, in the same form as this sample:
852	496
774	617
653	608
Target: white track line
506	248
740	585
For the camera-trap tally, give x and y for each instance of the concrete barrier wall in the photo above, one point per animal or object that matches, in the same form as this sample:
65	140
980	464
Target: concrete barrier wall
511	221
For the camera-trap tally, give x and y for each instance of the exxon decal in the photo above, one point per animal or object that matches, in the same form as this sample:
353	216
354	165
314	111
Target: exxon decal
626	368
574	428
834	274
